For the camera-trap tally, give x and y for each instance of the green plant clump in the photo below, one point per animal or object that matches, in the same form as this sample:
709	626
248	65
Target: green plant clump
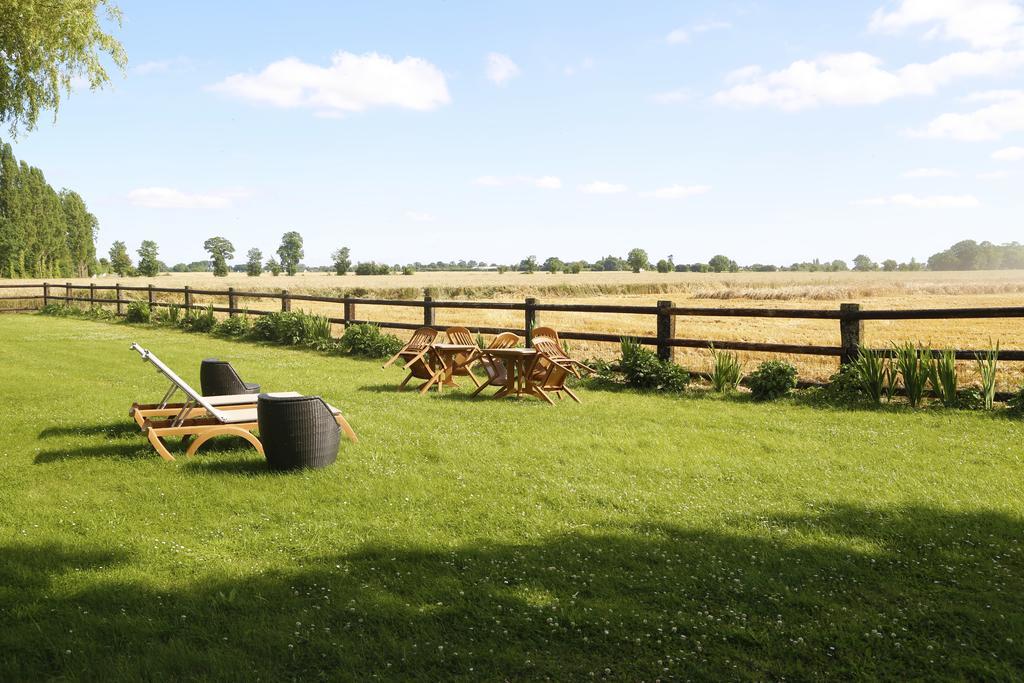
292	327
873	374
726	371
138	312
237	326
366	339
913	367
987	365
942	377
773	379
643	369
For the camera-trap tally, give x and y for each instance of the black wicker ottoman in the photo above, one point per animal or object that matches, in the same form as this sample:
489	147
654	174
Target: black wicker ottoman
297	431
218	378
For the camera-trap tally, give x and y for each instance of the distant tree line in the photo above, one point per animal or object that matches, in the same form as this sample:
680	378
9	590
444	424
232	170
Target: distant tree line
43	232
970	255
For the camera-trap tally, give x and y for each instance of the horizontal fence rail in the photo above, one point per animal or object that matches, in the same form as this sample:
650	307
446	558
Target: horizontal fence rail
850	317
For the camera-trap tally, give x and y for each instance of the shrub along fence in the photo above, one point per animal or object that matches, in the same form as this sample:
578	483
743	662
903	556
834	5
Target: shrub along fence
850	317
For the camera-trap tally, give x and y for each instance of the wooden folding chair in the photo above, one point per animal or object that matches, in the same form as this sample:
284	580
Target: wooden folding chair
495	369
418	345
420	363
575	367
463	362
201	420
550	371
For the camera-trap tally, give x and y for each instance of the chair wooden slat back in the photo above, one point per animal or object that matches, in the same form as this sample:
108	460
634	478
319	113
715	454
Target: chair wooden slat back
417	346
460	335
495	369
551	370
546	332
505	340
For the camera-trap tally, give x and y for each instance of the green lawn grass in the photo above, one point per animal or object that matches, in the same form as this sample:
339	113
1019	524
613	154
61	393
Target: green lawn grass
632	537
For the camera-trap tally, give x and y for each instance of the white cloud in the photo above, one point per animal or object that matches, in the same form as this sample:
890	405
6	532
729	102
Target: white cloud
993	175
547	182
170	198
585	65
602	187
964	201
350	83
857	78
683	35
501	68
929	173
676	36
672	96
419	216
1009	154
980	23
1004	115
678	191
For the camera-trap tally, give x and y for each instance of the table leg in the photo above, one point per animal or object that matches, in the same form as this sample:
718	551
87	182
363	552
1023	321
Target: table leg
510	385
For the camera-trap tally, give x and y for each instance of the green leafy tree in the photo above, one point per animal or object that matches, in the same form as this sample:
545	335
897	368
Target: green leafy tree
863	264
611	263
290	252
637	260
274	267
254	263
342	261
502	270
45	46
665	266
553	264
149	264
82	227
722	264
120	262
220	250
528	264
838	266
889	265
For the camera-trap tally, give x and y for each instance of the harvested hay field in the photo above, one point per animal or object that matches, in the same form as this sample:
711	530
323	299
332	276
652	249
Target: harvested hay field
711	290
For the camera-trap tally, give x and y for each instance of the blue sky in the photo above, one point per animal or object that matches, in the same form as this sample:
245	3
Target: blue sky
768	131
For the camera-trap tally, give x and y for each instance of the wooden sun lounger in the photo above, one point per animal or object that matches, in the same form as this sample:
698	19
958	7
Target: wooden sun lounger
211	420
140	411
574	366
419	361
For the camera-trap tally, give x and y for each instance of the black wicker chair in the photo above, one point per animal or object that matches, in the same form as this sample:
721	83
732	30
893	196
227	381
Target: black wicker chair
218	378
297	431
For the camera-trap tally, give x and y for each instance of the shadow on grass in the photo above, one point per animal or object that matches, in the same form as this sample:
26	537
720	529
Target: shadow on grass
112	430
125	451
845	592
255	465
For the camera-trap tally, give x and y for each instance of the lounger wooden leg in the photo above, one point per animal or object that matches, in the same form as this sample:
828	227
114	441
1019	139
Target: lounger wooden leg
426	385
158	445
404	382
226	430
479	388
346	428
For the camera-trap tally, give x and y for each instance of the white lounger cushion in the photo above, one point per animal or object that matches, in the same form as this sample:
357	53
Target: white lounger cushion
250	415
244	399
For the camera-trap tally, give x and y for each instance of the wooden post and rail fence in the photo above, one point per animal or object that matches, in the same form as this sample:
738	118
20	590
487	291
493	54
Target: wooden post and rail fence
850	316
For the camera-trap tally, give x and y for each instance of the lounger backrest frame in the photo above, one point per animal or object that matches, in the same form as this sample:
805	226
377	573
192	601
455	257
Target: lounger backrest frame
194	397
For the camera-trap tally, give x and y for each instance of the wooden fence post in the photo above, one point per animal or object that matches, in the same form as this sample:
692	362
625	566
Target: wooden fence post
530	320
46	293
67	293
666	331
851	331
350	312
188	299
232	302
286	301
117	295
92	294
428	311
150	293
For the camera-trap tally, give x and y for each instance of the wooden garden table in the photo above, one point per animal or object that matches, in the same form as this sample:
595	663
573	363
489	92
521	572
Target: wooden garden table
445	355
519	364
